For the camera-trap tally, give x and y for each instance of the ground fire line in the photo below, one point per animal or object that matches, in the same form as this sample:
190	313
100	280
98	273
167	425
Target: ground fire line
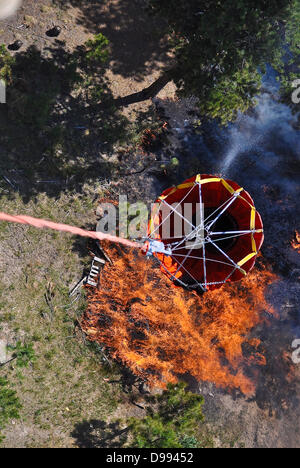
161	332
296	242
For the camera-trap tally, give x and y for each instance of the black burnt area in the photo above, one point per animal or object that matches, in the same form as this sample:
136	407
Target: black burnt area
104	321
267	165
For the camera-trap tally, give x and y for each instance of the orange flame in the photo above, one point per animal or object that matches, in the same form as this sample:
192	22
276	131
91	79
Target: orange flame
151	137
160	332
296	242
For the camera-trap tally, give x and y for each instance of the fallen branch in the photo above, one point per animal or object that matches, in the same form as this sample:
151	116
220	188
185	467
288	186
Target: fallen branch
7	362
13	186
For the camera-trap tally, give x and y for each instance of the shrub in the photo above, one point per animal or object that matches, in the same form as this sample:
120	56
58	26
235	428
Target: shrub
97	49
6	63
23	354
9	405
172	420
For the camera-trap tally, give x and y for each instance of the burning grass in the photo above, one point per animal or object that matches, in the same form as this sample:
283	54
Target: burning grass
296	242
161	332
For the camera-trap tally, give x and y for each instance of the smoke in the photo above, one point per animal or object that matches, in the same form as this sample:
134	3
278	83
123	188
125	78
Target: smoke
268	133
8	8
261	152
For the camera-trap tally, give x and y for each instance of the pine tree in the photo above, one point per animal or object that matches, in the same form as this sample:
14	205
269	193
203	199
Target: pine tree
221	48
172	420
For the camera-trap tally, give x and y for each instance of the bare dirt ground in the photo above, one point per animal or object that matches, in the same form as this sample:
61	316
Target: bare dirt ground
120	21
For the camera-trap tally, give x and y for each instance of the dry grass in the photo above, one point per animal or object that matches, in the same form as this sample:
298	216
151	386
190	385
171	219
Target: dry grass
66	383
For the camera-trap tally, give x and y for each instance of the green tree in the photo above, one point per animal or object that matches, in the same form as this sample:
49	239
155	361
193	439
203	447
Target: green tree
9	405
288	68
6	63
172	420
97	50
23	354
219	46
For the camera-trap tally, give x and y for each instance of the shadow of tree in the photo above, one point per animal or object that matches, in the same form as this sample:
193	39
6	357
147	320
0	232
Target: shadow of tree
99	434
137	40
53	136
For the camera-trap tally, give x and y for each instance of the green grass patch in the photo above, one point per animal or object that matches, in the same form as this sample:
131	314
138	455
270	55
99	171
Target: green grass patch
58	379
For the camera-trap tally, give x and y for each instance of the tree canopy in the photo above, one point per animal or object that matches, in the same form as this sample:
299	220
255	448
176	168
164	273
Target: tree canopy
172	420
220	47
